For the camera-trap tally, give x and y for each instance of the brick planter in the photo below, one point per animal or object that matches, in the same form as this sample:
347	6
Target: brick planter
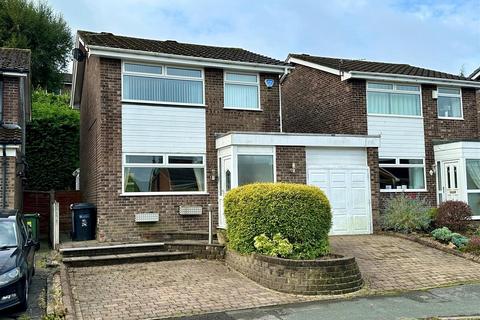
338	275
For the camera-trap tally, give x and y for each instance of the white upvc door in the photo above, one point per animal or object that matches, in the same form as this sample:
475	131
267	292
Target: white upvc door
451	182
225	182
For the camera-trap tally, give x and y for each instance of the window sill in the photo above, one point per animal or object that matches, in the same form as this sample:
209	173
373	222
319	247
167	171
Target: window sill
402	190
450	118
168	104
242	109
147	194
393	116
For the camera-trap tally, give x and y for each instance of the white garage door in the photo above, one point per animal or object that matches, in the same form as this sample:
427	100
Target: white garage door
344	177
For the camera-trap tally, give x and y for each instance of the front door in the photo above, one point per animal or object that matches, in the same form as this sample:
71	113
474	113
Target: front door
451	189
225	182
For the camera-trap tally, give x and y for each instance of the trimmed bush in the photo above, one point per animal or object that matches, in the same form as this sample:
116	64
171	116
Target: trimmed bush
455	215
298	212
442	234
459	241
473	246
405	214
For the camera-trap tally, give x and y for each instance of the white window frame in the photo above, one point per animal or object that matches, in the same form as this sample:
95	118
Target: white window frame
165	164
452	96
470	191
225	81
163	76
404	165
255	153
394	90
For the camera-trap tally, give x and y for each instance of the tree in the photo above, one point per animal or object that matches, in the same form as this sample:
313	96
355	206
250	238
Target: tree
34	25
52	148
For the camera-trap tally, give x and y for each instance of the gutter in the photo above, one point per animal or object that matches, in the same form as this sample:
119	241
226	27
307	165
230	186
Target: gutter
4	177
410	79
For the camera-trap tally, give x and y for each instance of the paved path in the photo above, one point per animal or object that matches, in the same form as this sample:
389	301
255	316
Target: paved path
187	287
443	302
390	264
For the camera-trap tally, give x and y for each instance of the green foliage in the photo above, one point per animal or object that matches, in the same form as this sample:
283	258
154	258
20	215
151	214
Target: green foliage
52	148
405	214
275	247
442	234
34	25
301	213
473	246
459	241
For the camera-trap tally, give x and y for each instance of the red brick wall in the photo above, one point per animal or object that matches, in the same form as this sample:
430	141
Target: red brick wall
116	213
315	101
11	99
287	155
372	162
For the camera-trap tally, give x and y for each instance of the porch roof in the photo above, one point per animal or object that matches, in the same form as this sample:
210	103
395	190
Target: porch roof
296	139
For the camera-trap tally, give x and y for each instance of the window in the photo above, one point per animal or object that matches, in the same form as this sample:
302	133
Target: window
241	91
255	168
449	103
393	99
164	173
402	174
473	185
162	84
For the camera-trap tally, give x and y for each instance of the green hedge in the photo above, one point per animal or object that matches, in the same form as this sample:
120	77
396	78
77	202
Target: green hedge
300	213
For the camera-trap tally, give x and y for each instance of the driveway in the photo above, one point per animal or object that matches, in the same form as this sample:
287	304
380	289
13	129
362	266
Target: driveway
388	263
186	287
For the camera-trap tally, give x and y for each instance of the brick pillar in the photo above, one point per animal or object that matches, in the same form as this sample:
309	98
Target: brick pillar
372	160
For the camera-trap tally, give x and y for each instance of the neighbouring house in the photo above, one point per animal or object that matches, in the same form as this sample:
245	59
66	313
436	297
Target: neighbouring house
428	121
15	112
66	83
167	128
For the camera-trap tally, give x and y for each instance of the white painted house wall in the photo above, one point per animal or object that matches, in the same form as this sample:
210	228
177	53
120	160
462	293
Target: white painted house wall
161	129
399	136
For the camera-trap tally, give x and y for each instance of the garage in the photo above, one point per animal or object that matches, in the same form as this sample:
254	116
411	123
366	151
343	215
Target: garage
343	174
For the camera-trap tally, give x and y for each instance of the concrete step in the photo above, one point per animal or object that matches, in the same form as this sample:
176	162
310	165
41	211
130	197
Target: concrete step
104	250
185	235
99	260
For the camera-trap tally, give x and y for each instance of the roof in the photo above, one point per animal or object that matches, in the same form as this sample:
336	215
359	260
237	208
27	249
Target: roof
475	74
377	67
13	59
109	40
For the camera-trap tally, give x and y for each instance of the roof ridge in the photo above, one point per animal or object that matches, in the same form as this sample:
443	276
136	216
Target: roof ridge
350	59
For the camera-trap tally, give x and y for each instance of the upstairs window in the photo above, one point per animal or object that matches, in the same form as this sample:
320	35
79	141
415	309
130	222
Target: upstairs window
393	99
242	91
449	103
162	84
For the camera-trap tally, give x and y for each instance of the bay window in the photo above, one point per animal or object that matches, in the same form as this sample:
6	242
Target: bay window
255	168
163	173
393	99
402	174
449	103
162	84
473	185
241	91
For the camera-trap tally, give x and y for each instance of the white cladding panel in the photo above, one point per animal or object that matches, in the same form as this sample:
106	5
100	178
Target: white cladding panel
160	129
400	136
327	157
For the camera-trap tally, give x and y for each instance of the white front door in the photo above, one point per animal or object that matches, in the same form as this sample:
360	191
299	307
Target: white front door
349	194
225	184
450	183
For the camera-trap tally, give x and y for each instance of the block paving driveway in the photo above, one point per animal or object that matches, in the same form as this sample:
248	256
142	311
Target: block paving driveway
174	288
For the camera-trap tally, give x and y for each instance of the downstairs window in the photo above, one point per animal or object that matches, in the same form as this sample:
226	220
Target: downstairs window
402	174
163	173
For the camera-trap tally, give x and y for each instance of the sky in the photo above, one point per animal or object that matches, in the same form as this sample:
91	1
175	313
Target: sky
442	35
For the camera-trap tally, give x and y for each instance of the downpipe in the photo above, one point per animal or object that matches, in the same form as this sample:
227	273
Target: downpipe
4	179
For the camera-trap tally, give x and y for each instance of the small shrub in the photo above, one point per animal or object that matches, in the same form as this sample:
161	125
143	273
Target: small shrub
275	247
442	234
299	212
455	215
405	214
432	213
473	246
459	241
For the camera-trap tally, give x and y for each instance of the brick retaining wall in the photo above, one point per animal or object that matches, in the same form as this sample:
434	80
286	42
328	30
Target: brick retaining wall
309	277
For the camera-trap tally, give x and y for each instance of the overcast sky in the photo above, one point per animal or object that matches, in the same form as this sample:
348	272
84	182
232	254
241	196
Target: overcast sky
435	34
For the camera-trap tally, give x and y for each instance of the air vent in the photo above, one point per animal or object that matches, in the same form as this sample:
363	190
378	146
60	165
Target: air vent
190	210
147	217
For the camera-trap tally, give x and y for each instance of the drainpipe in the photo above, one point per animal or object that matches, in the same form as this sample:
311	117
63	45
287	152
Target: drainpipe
4	179
23	112
282	77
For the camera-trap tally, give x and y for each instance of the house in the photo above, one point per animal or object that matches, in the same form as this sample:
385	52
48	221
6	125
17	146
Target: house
66	86
428	121
167	128
15	111
475	75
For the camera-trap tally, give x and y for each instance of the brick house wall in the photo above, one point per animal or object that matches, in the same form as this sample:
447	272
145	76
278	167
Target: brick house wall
11	96
102	148
314	101
285	156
